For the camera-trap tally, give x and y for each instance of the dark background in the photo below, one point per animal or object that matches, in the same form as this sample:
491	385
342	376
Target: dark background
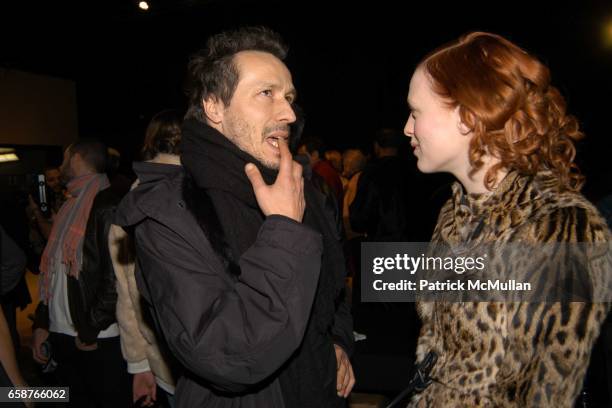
351	63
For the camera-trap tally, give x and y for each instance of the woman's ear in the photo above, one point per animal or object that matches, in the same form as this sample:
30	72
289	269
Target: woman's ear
213	109
463	128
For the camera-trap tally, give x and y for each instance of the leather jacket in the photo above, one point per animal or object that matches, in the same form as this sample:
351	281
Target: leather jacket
93	296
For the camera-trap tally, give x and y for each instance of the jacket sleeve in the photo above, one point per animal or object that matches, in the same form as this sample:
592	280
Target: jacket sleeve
342	331
41	316
97	278
133	343
568	351
232	333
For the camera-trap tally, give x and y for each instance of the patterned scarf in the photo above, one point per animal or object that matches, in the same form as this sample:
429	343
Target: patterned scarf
66	239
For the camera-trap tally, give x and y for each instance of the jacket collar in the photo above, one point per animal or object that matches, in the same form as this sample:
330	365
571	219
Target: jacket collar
153	192
151	172
512	202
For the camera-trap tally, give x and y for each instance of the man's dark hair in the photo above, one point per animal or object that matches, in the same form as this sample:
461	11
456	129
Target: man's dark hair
49	168
388	138
93	152
212	70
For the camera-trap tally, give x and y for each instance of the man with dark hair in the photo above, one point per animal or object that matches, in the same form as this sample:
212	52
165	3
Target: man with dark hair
380	207
76	315
236	253
92	152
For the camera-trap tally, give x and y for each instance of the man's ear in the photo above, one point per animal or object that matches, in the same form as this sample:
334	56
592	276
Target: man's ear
213	109
76	162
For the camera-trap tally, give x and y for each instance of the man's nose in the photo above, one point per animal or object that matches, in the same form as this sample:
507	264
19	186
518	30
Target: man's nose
286	113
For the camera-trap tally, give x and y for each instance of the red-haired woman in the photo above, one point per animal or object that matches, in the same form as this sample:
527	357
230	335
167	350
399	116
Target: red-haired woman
484	110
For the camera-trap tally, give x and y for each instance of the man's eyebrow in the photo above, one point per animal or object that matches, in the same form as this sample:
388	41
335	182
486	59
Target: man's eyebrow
293	93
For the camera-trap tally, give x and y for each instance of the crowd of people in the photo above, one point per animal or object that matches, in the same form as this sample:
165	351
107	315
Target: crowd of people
229	274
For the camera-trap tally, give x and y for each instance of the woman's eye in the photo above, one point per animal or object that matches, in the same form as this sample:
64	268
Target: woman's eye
290	98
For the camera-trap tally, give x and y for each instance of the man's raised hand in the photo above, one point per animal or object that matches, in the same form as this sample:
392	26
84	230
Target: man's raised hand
286	195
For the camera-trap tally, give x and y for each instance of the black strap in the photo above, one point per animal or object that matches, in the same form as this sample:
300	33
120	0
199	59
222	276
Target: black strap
419	379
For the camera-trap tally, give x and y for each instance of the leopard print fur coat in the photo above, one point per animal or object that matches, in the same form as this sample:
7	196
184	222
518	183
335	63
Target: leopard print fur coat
512	354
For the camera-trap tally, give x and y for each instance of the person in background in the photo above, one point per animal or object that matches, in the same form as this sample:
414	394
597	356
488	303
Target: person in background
76	314
314	149
380	208
146	360
353	162
42	222
120	183
335	158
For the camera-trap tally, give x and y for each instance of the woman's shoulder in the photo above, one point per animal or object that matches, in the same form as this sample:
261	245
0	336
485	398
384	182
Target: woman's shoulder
567	217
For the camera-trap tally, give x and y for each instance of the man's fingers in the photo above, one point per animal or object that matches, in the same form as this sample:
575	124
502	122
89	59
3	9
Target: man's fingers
347	380
345	377
254	176
297	170
340	378
38	356
351	384
286	160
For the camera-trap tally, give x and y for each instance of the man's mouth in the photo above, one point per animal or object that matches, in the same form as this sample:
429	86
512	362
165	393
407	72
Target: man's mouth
274	140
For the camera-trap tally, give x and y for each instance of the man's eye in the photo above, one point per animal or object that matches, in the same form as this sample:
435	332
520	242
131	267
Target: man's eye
290	98
267	92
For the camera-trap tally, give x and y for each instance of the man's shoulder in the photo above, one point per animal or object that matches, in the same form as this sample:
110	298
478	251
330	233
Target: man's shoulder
159	199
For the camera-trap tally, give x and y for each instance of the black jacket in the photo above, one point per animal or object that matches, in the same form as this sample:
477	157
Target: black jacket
381	205
230	333
92	298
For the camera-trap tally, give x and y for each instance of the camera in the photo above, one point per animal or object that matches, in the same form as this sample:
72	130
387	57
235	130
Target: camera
36	186
42	193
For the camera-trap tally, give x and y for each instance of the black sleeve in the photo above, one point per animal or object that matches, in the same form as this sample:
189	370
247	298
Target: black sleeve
342	330
97	275
232	333
12	264
41	317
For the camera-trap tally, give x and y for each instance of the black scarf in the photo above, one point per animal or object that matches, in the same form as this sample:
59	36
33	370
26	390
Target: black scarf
216	167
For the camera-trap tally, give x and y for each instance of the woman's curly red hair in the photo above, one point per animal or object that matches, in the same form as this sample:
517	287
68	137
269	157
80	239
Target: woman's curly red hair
505	98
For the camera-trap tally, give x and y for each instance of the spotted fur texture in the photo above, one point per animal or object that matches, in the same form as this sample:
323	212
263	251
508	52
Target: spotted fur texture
515	354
